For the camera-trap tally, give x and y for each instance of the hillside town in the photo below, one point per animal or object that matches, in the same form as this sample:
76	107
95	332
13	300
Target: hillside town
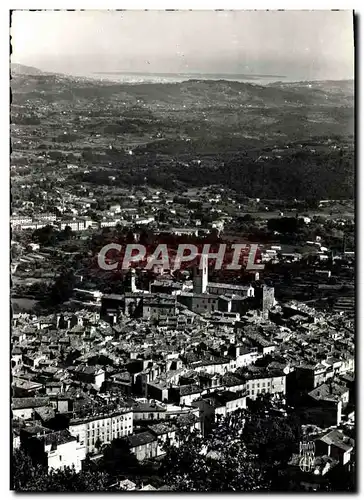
136	360
183	252
140	364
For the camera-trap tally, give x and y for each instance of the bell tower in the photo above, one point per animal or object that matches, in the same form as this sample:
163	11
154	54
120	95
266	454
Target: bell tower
200	275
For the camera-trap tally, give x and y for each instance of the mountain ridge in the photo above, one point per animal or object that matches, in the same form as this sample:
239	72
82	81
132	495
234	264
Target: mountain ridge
22	69
201	92
18	68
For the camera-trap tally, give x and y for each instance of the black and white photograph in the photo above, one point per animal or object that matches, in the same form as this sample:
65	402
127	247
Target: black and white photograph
182	251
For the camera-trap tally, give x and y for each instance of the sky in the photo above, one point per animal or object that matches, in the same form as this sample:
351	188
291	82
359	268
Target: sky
295	44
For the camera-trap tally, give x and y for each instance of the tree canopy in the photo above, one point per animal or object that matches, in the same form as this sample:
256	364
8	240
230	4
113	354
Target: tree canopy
30	477
219	462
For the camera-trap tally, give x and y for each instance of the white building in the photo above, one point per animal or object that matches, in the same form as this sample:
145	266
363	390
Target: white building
101	429
56	450
63	451
34	246
246	357
266	385
224	406
17	220
116	209
76	224
111	222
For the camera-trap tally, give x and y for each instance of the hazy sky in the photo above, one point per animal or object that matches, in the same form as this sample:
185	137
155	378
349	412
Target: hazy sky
296	44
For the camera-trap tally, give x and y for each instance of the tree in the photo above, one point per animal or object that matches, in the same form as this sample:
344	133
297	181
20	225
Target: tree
63	287
66	234
264	361
27	476
342	478
45	236
263	403
289	225
220	462
23	472
273	439
118	459
98	444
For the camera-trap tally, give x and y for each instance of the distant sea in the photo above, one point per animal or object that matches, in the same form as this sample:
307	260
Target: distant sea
126	77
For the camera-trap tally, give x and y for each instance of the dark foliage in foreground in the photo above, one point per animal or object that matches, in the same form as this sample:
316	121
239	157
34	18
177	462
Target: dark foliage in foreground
29	477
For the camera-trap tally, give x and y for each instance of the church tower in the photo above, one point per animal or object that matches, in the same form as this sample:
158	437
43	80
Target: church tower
200	275
130	285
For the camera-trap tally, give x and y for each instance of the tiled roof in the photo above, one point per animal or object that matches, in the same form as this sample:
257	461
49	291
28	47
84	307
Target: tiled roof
140	439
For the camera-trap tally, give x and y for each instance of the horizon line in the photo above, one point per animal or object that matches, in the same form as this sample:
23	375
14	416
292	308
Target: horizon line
251	76
127	72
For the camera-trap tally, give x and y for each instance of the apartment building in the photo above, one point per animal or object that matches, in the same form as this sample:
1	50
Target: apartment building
95	430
